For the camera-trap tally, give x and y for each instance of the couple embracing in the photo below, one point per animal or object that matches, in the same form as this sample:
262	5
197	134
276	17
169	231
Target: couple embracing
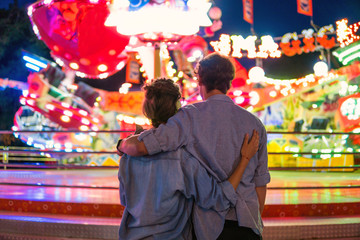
201	171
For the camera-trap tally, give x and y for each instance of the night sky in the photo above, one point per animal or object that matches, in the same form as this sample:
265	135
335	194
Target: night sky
5	3
277	17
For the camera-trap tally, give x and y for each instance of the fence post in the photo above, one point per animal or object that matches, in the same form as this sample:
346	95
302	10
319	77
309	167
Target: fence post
5	156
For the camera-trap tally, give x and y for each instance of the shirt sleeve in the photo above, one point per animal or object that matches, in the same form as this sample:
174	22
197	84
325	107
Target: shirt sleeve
121	181
170	136
262	175
207	193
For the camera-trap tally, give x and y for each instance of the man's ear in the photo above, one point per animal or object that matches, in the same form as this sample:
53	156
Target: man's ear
178	104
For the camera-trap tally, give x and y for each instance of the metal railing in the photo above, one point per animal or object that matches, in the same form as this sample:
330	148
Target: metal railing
14	157
9	155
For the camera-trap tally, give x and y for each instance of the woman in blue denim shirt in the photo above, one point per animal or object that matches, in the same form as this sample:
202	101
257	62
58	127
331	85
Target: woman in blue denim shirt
159	191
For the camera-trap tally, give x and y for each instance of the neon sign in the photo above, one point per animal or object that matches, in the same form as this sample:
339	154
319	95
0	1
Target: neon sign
346	34
290	43
268	47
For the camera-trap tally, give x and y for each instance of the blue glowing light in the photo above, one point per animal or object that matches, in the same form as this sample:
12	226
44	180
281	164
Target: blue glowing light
32	67
35	62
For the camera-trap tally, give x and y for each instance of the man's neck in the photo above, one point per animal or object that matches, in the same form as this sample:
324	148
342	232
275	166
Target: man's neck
212	93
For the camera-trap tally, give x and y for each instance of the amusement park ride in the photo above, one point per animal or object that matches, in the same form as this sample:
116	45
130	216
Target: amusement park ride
98	38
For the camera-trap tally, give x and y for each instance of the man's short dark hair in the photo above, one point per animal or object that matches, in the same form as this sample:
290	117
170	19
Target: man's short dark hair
160	103
215	71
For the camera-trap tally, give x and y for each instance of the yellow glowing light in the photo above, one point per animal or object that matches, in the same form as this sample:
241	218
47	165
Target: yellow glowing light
85	121
59	62
287	87
103	75
351	109
68	113
140	121
161	18
30	11
120	65
25	93
68	145
164	53
74	65
239	100
84	128
30	102
65	118
123	90
256	74
126	85
50	107
346	34
321	69
80	74
73	87
288	36
83	112
308	33
249	46
65	105
254	98
237	42
23	101
268	48
102	68
273	94
237	93
223	46
80	136
194	85
322	31
129	120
